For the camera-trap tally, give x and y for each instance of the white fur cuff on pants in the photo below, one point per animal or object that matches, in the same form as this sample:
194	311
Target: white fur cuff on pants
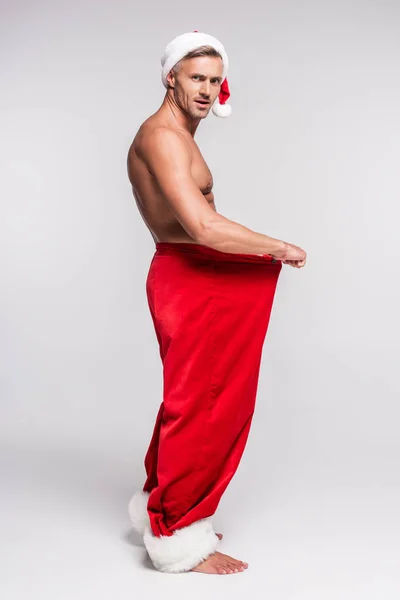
183	550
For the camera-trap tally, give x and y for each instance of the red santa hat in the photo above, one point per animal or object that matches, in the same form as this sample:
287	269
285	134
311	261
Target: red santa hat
180	45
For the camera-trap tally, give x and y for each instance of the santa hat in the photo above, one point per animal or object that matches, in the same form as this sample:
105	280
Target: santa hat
181	45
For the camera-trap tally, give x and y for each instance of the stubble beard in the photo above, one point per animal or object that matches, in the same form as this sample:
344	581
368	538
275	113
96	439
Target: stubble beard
191	110
198	114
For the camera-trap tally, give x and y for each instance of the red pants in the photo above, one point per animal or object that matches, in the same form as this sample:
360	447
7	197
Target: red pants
210	311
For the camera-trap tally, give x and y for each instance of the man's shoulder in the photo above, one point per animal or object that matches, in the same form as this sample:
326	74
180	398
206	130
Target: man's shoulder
154	135
154	129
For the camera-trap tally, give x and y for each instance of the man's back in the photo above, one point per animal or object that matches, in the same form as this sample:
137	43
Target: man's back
148	193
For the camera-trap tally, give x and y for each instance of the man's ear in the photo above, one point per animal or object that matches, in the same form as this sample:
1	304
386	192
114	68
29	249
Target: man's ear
171	78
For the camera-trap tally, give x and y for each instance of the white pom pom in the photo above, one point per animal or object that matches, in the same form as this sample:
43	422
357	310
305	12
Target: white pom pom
221	110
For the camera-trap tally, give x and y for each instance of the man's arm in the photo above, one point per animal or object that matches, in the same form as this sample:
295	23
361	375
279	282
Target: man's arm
167	157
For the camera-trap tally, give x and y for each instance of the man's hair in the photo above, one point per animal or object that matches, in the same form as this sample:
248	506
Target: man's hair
200	51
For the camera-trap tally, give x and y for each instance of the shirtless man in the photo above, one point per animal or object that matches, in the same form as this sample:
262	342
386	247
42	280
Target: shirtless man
172	186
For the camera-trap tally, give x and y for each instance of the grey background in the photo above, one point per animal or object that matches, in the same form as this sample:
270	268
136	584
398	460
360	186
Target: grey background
309	155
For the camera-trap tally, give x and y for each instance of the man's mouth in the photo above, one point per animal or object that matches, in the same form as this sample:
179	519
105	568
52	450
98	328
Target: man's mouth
203	102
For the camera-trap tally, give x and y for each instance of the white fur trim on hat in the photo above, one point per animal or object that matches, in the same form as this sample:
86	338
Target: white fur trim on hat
186	42
184	549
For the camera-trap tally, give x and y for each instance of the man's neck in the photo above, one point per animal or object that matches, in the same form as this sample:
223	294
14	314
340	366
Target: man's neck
177	117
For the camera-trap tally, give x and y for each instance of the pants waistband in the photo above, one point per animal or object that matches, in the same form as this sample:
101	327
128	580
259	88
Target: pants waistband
163	248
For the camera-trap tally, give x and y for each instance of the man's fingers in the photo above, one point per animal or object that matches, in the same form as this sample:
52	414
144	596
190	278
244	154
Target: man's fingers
294	263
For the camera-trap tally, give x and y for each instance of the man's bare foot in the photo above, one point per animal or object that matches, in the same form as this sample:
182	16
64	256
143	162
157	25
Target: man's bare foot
221	564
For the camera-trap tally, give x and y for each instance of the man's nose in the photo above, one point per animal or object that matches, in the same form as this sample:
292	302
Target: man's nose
205	88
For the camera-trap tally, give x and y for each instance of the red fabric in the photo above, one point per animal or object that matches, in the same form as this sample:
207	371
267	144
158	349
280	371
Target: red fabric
224	92
210	311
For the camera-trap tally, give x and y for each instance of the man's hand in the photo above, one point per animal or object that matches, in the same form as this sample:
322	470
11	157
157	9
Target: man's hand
295	263
293	256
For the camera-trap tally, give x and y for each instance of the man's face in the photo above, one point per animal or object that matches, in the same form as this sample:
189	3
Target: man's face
197	84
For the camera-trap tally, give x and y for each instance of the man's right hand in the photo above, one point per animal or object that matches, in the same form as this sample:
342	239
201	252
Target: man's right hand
292	255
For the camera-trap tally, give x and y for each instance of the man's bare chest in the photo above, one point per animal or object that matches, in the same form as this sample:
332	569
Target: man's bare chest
200	172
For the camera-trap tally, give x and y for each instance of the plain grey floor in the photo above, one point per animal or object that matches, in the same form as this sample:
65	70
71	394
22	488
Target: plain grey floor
65	534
